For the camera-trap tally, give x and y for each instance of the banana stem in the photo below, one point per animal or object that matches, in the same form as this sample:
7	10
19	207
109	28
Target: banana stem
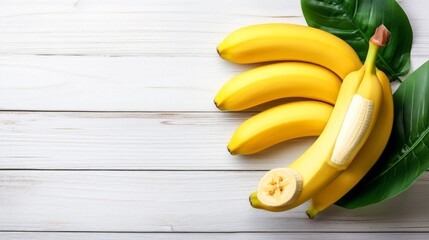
379	39
371	57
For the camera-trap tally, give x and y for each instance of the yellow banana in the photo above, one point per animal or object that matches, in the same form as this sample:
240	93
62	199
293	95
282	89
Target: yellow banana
278	124
348	128
365	159
275	81
281	41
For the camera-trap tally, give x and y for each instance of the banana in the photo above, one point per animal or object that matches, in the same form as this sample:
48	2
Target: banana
281	41
365	159
278	124
275	81
348	128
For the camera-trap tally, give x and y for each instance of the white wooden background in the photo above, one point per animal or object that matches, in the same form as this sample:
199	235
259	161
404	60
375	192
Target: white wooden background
108	129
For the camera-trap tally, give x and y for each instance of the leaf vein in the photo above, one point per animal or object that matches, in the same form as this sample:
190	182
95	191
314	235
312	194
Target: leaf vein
405	154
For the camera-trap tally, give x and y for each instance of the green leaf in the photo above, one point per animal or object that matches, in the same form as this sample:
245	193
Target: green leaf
406	156
355	21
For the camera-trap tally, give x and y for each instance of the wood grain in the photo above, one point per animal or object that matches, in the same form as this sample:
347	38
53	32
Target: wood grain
112	84
156	28
148	161
165	28
181	201
117	55
163	141
64	83
212	236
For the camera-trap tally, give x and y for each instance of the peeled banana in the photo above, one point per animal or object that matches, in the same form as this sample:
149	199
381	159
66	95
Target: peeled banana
364	160
275	81
313	170
282	41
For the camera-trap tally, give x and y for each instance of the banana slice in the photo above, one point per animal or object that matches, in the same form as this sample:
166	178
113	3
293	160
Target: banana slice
279	187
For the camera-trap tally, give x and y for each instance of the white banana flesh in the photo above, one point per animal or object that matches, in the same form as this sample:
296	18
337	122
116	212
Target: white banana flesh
353	129
280	186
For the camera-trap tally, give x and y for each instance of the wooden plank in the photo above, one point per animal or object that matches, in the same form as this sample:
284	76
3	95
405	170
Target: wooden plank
123	28
167	141
172	64
115	84
155	28
420	33
112	84
212	236
181	201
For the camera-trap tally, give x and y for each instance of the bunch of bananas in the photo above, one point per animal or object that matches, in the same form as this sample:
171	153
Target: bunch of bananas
348	105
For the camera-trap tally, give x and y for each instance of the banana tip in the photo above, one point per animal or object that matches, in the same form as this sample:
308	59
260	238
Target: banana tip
218	105
215	103
253	203
311	212
222	53
229	150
